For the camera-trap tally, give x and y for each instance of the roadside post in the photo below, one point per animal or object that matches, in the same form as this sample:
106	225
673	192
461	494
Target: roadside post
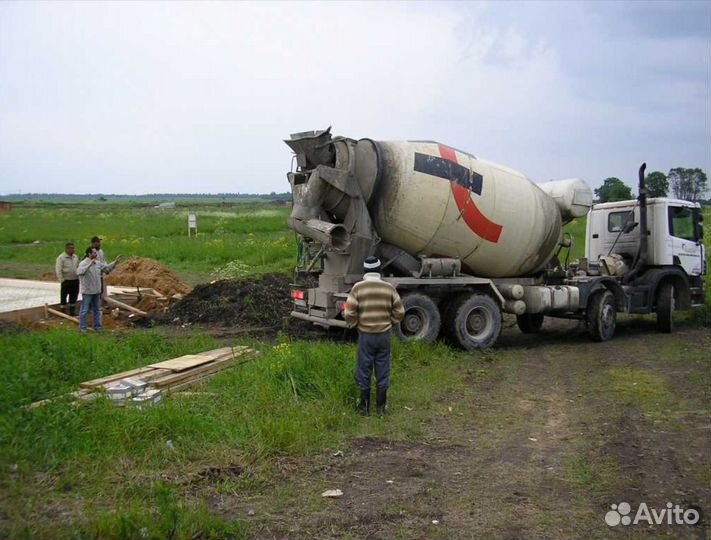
192	224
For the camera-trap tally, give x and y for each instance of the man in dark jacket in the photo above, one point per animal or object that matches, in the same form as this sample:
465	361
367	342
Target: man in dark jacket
373	306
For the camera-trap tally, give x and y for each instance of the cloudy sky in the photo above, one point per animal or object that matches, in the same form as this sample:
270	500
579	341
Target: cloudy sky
196	97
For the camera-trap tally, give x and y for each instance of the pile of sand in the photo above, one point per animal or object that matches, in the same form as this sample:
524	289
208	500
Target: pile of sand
140	272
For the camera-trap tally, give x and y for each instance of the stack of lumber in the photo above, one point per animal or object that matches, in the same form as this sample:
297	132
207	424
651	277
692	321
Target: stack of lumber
177	373
170	375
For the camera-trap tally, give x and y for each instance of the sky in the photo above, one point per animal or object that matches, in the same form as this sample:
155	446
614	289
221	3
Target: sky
135	97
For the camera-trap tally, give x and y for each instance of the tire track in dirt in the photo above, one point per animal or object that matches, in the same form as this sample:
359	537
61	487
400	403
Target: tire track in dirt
543	446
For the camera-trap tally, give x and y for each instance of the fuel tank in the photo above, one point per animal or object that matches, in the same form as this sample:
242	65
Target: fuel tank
432	200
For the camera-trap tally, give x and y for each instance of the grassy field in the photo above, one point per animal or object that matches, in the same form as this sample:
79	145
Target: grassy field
232	241
533	439
236	240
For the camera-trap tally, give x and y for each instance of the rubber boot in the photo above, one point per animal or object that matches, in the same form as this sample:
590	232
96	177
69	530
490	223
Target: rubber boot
364	403
381	400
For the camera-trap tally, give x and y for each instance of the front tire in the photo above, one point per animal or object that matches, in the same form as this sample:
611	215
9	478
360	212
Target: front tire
665	308
474	321
422	319
601	316
530	323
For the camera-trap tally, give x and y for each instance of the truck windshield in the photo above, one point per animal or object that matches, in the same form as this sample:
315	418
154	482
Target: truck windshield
681	223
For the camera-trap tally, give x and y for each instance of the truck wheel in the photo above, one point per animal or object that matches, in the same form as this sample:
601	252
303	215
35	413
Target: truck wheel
601	316
422	319
474	321
665	308
530	323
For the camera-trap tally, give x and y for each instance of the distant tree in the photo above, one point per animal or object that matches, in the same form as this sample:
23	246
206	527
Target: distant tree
613	189
688	184
657	184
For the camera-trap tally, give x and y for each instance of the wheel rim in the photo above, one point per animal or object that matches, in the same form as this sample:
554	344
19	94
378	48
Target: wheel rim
479	323
607	318
414	323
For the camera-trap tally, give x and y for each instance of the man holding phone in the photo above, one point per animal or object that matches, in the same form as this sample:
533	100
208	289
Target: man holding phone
90	271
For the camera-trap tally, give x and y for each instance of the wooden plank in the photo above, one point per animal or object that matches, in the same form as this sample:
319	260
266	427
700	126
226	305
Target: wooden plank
78	394
163	378
200	378
154	374
196	378
216	365
222	351
183	363
95	383
174	378
190	361
134	291
125	306
62	315
189	383
145	371
147	376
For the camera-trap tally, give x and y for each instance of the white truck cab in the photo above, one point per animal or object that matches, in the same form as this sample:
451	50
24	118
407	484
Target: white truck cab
664	274
675	233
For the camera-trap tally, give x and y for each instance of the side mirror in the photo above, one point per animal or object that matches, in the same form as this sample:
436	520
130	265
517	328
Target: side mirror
629	227
699	231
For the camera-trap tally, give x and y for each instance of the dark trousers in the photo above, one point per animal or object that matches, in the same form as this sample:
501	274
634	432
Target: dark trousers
373	355
69	289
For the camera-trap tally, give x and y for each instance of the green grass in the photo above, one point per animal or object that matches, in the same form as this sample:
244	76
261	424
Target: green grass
248	238
641	390
295	398
576	229
245	239
111	471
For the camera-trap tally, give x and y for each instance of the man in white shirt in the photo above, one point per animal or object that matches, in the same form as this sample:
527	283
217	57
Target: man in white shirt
65	269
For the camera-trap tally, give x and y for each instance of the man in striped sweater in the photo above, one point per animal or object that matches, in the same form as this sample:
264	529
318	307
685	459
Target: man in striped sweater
373	306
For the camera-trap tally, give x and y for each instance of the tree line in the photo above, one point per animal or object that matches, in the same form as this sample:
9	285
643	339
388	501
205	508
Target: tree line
680	183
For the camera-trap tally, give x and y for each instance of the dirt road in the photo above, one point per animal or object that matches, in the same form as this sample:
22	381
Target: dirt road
541	437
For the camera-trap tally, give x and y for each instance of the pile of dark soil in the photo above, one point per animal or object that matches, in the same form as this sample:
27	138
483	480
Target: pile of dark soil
254	302
7	327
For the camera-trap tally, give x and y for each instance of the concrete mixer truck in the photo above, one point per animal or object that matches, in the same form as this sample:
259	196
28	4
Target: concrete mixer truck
464	240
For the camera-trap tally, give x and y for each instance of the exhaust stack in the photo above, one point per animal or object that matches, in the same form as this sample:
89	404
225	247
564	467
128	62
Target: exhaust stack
641	258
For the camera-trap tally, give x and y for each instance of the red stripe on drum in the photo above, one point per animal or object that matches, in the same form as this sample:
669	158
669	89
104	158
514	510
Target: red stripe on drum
469	211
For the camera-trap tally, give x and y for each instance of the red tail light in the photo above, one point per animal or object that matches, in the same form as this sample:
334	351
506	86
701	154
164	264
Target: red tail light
341	305
297	294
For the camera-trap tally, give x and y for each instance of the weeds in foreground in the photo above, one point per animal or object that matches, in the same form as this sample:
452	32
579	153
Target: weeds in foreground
294	398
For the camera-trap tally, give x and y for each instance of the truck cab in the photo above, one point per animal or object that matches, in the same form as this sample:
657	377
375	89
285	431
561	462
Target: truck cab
675	252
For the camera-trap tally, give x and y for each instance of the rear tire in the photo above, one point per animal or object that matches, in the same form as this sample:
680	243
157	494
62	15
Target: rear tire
473	321
665	308
422	319
530	323
601	316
